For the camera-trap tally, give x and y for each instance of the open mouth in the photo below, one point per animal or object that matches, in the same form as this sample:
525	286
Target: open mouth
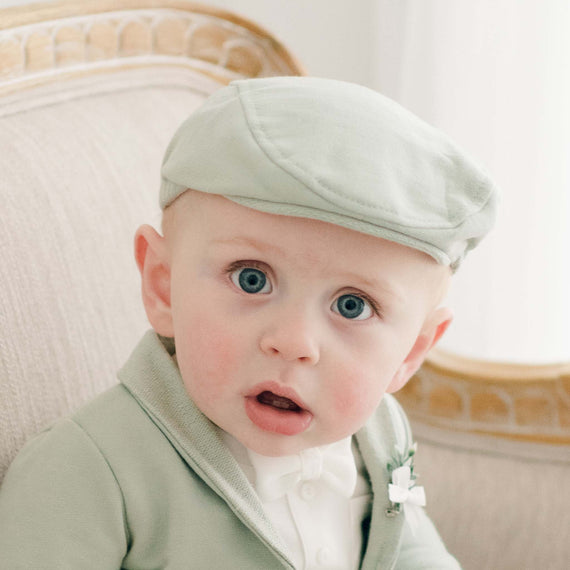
278	409
268	398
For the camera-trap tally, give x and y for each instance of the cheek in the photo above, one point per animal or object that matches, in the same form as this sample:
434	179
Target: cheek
357	394
359	387
207	352
358	398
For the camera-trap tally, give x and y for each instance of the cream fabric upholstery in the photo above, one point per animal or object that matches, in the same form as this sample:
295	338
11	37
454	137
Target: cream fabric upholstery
80	171
498	505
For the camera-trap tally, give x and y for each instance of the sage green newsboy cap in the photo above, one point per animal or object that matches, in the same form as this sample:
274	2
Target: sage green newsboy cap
336	152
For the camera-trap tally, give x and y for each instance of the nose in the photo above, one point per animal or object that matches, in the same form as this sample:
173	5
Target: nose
293	336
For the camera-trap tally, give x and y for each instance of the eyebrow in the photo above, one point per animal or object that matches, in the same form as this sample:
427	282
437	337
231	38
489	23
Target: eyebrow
373	284
369	283
255	244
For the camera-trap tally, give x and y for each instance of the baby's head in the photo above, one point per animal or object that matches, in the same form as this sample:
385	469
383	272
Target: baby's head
310	230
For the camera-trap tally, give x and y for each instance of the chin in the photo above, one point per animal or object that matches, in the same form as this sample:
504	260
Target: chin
279	446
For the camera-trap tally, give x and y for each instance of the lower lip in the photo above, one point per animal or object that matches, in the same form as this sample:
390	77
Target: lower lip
271	419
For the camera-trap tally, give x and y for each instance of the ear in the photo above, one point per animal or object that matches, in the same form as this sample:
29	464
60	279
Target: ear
151	255
433	329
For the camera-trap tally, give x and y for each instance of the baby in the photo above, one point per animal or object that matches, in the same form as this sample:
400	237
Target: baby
310	229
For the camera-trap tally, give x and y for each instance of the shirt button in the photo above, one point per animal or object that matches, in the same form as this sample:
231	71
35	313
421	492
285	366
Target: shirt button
308	491
324	556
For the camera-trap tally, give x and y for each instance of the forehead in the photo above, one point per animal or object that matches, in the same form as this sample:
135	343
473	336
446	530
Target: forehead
213	218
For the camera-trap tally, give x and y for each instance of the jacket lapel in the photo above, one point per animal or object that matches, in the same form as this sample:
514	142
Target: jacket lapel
376	441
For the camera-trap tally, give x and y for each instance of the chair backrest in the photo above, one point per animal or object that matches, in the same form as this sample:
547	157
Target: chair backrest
494	455
90	94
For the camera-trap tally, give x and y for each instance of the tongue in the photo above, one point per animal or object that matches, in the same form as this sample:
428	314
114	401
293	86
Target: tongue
271	399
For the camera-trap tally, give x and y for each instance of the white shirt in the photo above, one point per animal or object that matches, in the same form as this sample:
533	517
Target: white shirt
320	527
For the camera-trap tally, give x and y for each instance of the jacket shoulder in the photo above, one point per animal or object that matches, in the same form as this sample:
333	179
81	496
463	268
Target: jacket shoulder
58	493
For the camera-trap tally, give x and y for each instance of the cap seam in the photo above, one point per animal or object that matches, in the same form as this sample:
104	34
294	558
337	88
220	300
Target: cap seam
254	126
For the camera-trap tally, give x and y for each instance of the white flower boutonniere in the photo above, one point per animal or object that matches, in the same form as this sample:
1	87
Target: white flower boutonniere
403	492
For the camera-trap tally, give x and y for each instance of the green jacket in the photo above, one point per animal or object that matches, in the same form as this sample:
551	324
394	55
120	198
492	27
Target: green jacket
140	479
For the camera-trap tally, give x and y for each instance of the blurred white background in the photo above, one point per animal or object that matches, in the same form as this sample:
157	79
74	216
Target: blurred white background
496	77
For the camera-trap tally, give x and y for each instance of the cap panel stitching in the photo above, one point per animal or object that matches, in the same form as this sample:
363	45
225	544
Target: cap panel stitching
269	147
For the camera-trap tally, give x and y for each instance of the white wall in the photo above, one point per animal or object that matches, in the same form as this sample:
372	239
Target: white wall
496	76
331	38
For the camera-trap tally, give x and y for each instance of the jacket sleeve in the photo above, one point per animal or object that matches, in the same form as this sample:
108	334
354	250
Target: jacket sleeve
61	506
423	549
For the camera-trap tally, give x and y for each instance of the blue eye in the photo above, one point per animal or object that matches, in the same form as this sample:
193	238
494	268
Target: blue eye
251	280
352	307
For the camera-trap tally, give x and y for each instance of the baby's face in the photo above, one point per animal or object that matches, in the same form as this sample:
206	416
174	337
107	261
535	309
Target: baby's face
289	331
